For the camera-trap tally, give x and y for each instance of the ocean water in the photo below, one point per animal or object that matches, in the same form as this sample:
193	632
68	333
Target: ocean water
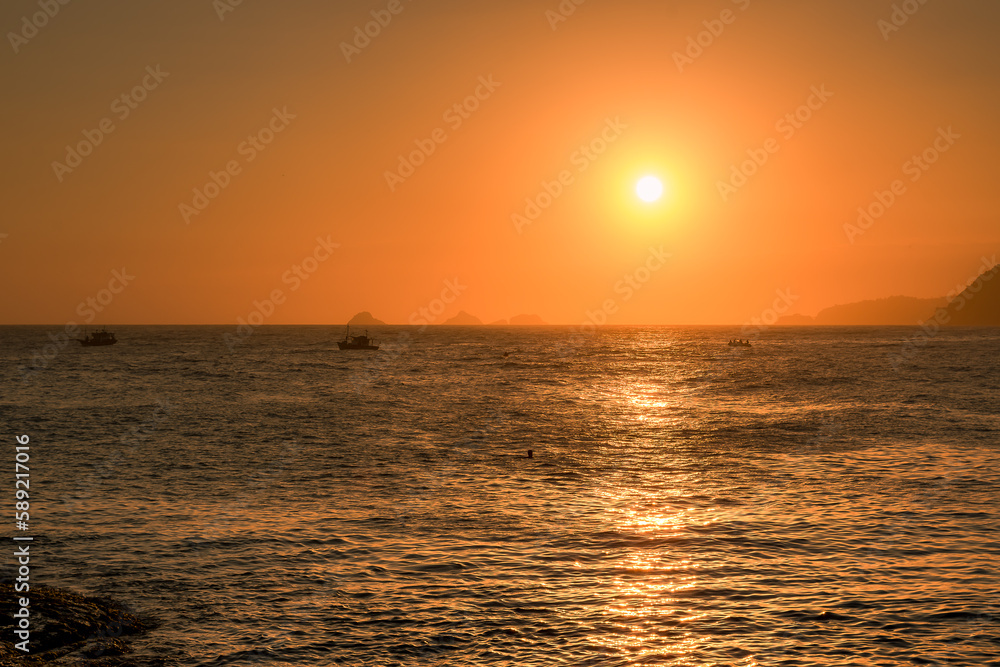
819	499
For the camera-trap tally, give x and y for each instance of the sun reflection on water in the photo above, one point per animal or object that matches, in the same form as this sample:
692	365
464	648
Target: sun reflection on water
651	575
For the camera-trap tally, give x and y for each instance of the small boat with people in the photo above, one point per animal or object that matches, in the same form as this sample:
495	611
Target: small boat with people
740	343
362	342
98	338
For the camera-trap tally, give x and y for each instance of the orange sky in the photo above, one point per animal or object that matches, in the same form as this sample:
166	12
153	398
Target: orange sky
280	71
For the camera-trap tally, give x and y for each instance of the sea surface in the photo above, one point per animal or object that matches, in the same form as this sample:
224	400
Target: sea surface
826	497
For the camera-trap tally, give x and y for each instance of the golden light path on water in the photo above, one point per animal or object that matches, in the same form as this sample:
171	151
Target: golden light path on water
654	577
652	580
686	505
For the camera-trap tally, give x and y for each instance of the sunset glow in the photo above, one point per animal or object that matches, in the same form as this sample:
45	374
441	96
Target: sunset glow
429	150
437	332
649	189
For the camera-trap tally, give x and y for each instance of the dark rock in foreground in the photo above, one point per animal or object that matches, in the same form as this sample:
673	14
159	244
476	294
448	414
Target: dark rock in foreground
67	628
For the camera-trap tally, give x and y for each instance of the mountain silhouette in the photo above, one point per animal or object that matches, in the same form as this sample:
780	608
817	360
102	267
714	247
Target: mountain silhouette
894	310
978	305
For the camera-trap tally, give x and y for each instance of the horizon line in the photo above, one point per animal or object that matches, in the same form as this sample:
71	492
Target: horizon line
759	327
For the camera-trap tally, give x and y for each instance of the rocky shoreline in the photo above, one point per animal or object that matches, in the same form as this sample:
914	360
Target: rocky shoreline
68	628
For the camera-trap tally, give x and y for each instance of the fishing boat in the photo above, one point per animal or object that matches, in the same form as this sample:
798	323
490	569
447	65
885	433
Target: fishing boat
98	338
362	342
739	343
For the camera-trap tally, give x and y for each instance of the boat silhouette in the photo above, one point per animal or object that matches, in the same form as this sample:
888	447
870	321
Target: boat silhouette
362	342
739	343
98	338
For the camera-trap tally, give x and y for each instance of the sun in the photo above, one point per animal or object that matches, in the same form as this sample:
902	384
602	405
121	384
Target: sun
649	189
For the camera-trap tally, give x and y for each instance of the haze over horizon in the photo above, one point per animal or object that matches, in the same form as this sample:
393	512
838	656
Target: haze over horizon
219	156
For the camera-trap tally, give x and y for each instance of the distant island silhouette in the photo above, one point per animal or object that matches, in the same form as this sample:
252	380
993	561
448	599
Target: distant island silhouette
463	319
364	319
976	305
